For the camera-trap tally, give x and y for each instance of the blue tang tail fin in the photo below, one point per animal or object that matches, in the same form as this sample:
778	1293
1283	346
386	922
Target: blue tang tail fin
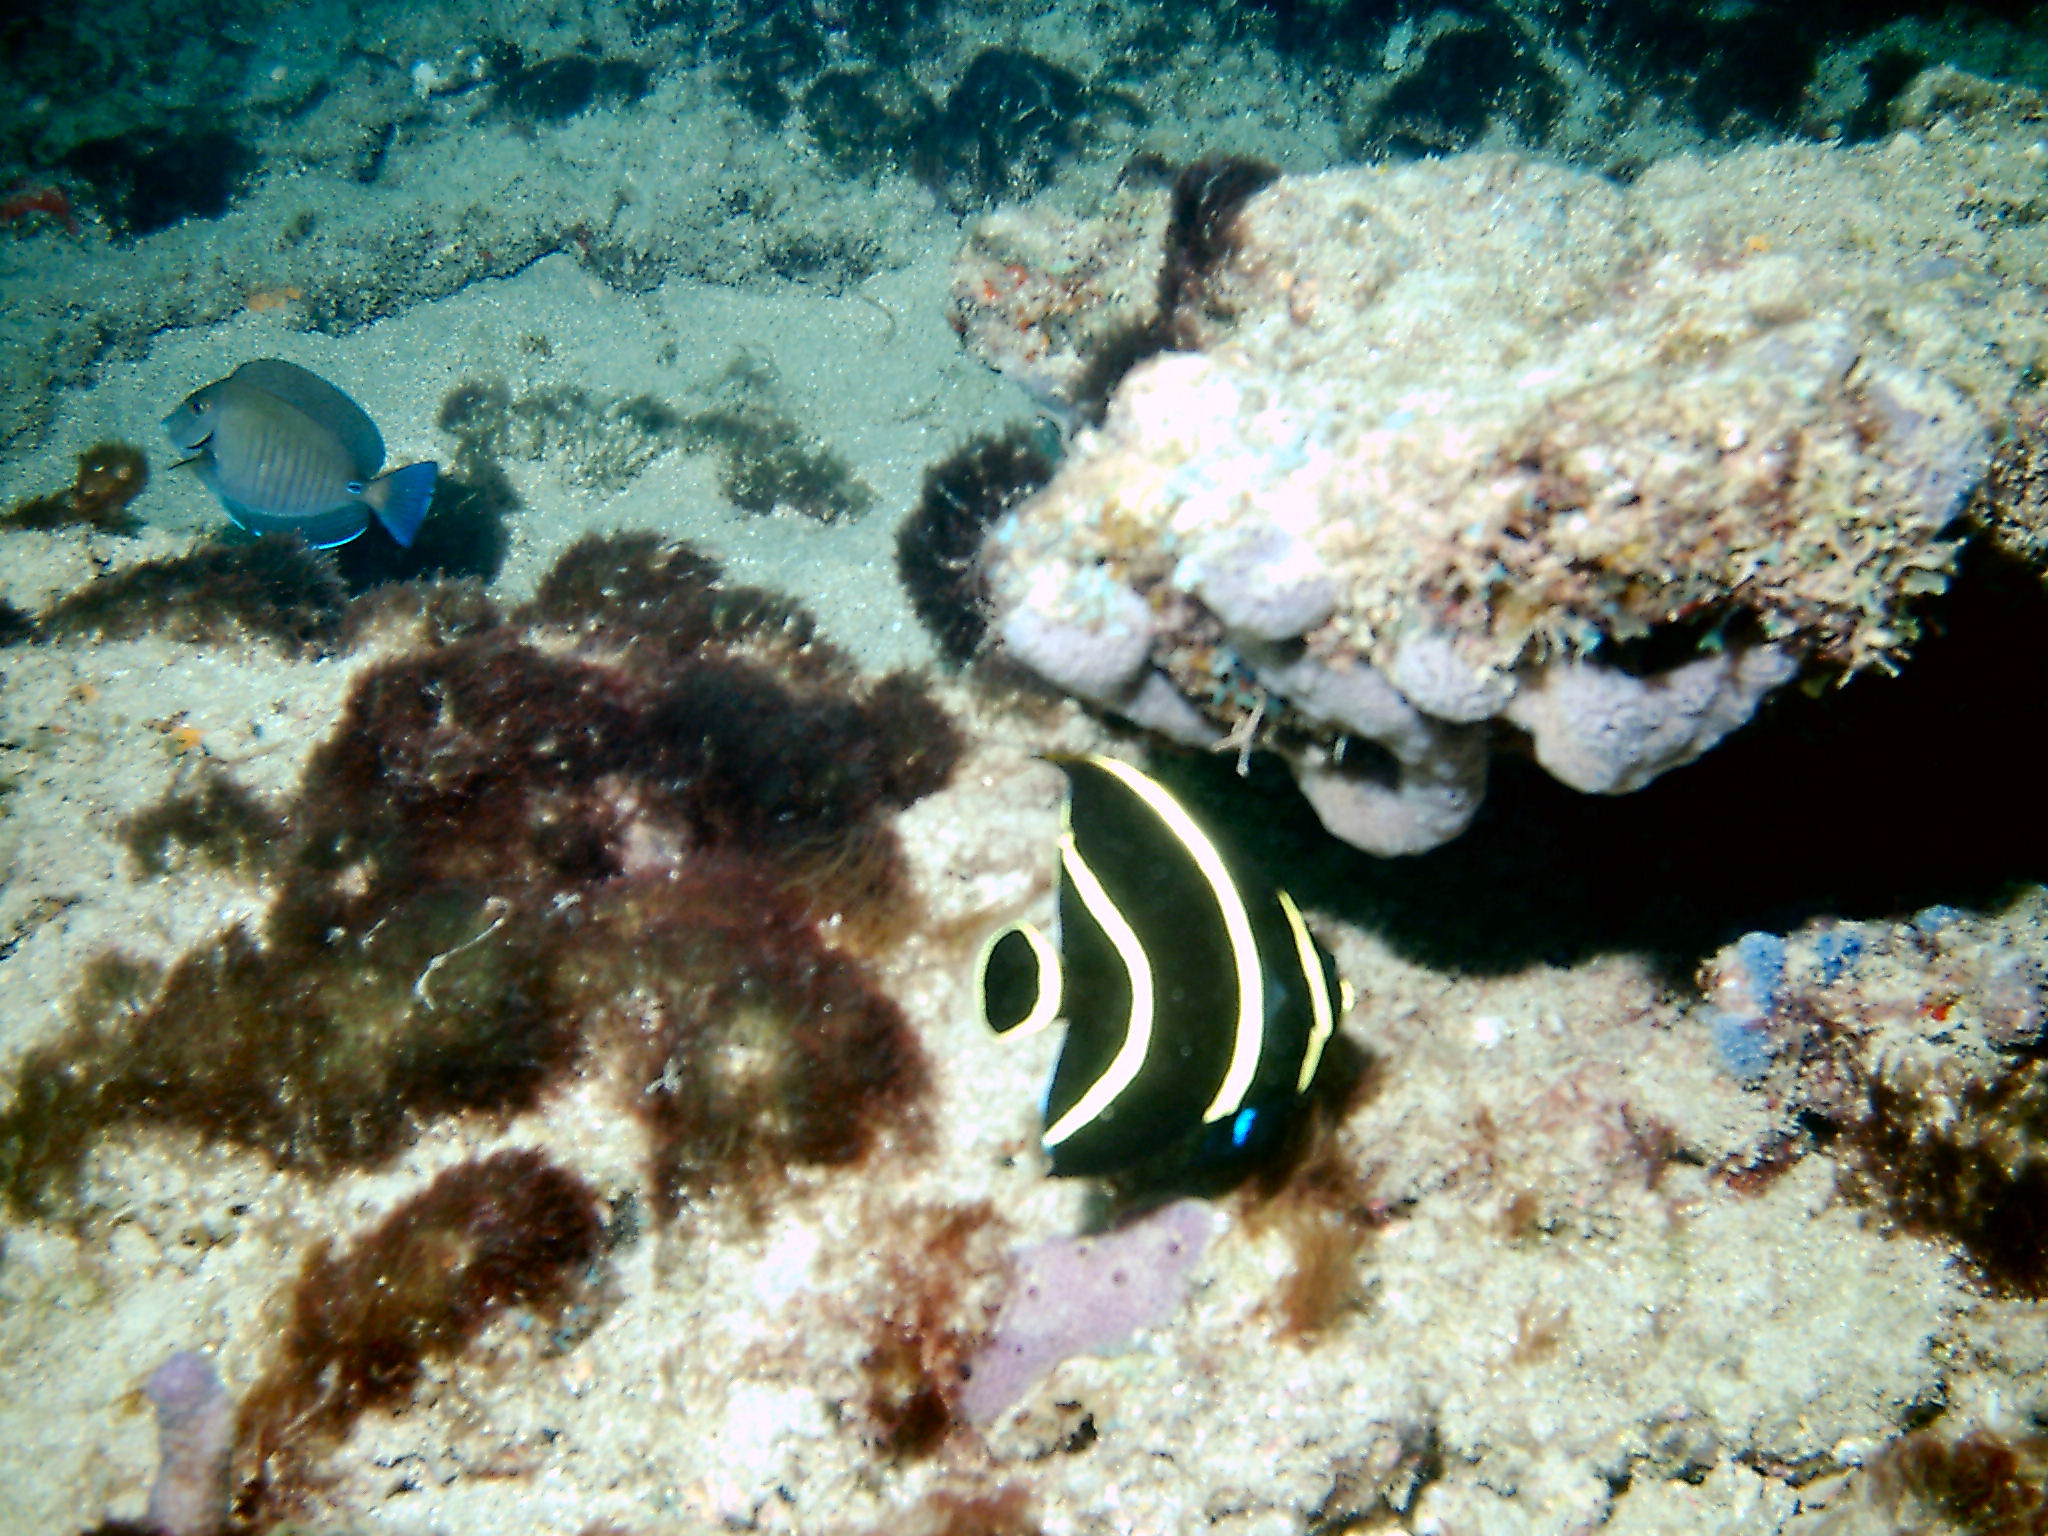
403	506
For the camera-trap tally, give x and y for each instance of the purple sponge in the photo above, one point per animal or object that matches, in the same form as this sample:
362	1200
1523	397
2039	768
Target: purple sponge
1083	1296
195	1429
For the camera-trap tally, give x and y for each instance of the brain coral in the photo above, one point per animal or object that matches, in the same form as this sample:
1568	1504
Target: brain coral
1449	435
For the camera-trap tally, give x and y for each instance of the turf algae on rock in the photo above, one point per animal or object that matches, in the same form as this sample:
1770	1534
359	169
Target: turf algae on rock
470	871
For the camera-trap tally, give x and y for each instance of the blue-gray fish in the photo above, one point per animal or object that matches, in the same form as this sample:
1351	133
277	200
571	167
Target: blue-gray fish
287	452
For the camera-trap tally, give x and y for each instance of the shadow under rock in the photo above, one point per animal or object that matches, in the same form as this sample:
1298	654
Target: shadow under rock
465	534
1872	800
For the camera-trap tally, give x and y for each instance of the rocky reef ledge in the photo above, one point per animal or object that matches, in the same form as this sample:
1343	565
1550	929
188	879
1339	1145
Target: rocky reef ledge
1428	460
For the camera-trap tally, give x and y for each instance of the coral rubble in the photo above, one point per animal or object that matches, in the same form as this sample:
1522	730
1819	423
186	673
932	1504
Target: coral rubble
1485	450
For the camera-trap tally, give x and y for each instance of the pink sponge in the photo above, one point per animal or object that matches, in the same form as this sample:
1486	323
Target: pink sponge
1083	1296
195	1426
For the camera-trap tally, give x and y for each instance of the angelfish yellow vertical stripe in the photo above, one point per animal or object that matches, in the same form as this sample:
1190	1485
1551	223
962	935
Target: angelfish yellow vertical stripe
1322	1011
1137	1041
1249	1038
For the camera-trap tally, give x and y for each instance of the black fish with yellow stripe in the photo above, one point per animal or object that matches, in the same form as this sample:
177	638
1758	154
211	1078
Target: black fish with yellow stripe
1198	1005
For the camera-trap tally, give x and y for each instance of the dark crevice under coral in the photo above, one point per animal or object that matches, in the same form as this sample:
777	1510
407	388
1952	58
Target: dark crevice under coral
1876	798
554	90
152	178
649	783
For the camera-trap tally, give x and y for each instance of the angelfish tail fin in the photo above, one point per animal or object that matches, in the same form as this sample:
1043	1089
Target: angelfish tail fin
400	499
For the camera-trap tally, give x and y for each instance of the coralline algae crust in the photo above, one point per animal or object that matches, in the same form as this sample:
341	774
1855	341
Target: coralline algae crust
1472	421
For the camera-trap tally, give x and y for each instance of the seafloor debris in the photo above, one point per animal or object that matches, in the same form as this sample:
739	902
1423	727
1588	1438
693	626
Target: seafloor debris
1486	440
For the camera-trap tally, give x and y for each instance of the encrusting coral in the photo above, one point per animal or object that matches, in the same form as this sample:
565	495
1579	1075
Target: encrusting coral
1464	441
1909	1053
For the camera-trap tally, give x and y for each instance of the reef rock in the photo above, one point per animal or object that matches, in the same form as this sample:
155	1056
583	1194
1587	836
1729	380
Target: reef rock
1448	441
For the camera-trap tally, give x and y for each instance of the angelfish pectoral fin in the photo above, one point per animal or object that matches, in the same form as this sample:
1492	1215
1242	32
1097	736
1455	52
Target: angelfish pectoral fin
1017	981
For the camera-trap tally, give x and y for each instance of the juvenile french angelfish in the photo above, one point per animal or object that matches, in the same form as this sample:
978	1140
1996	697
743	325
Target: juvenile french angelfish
1197	1003
287	452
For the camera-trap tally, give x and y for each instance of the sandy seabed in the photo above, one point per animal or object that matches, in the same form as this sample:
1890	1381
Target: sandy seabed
1568	1314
